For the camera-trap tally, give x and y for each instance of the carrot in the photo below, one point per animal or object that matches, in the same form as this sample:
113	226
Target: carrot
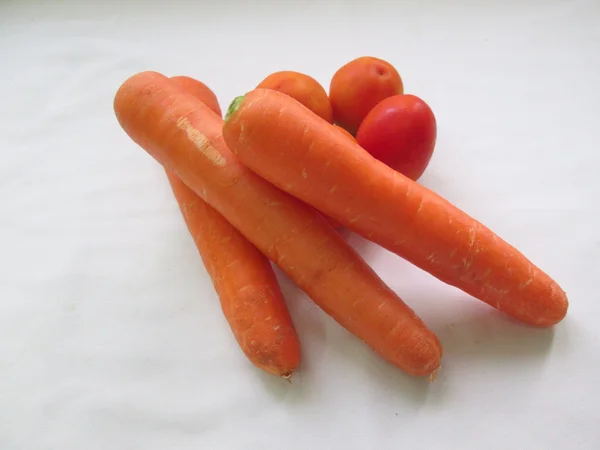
185	136
344	132
304	90
298	152
201	91
250	296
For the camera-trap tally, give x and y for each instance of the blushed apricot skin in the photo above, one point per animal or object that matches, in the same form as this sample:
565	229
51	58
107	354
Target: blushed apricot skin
358	86
302	88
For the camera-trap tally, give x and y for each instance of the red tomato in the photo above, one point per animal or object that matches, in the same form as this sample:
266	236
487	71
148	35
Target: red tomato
401	132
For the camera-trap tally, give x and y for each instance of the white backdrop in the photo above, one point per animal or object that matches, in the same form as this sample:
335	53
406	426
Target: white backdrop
111	336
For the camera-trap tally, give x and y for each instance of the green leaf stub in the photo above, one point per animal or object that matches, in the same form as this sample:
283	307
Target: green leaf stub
235	104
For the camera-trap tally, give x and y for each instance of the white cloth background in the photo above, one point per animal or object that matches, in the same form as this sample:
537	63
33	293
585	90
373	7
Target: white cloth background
111	336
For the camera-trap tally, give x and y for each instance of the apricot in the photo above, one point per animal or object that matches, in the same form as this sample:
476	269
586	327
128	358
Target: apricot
358	86
302	88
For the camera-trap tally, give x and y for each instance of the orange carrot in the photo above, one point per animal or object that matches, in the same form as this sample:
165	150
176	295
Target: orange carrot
185	136
250	296
344	132
307	91
285	143
199	90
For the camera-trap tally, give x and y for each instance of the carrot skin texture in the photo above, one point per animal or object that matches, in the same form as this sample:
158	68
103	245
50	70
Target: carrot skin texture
306	90
250	296
243	278
199	90
298	152
185	136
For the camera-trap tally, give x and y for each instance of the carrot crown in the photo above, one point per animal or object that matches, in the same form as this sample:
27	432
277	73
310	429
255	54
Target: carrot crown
235	104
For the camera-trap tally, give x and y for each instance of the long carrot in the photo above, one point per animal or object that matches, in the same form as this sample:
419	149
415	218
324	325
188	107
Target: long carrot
285	143
250	296
199	90
185	136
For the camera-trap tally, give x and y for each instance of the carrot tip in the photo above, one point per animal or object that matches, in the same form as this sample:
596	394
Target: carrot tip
233	107
287	376
433	375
